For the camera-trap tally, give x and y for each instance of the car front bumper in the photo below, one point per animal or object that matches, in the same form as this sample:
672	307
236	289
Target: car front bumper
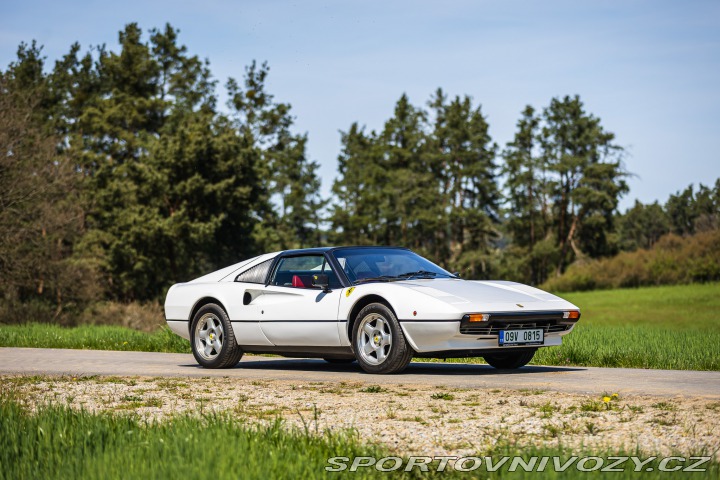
444	336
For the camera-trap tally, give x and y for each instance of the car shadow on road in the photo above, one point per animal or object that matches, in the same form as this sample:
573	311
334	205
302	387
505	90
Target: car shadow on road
442	368
415	368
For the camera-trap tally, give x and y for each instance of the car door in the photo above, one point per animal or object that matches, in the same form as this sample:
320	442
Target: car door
292	311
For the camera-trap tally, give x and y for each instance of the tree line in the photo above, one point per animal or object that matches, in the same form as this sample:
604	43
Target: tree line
120	174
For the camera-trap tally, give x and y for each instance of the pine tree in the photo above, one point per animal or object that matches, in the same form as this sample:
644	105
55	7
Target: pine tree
588	179
690	212
431	187
528	213
356	213
409	186
641	226
464	164
290	179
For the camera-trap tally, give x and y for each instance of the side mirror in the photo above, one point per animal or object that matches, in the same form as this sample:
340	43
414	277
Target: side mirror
321	280
457	274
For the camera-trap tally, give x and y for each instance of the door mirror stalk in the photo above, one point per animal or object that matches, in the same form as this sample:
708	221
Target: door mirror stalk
321	280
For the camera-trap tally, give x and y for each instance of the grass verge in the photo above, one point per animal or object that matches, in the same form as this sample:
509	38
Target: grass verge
91	337
676	327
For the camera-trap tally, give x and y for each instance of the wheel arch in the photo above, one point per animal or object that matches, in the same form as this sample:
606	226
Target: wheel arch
362	303
201	303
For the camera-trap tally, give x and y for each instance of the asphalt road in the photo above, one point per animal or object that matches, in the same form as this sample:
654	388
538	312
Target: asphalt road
39	361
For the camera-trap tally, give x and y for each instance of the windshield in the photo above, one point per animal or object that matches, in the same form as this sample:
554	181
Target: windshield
386	264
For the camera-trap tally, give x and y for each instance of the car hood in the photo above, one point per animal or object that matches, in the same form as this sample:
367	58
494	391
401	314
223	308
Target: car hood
479	296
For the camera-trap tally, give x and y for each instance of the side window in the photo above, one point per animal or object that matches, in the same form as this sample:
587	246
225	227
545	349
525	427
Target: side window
256	274
298	271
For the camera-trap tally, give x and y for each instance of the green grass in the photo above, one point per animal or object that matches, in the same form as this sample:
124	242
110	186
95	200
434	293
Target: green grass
677	308
93	337
59	443
55	442
676	327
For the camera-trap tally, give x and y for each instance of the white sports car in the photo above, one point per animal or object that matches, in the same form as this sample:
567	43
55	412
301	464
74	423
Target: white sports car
381	306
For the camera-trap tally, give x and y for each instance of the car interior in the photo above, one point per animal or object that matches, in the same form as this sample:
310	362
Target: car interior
288	275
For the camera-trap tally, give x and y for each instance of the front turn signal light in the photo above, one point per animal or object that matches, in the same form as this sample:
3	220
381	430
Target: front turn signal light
479	317
572	315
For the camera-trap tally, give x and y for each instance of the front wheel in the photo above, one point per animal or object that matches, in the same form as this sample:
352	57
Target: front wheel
509	360
212	338
379	342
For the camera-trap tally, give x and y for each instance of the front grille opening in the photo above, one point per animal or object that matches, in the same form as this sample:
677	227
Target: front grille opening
550	322
494	328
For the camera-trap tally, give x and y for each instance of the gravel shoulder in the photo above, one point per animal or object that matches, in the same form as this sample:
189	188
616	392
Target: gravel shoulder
406	418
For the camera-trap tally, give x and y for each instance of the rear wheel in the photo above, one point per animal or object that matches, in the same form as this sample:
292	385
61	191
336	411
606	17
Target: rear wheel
509	360
379	342
212	338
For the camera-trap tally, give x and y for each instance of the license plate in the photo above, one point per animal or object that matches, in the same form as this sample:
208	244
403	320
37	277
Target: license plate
535	336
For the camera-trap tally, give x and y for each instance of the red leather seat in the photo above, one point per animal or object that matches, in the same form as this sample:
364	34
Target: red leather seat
301	281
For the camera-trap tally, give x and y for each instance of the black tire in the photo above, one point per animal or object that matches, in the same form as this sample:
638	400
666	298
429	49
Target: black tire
509	360
213	320
383	357
339	360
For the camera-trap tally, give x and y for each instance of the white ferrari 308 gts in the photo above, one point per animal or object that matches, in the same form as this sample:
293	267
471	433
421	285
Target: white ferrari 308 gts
381	306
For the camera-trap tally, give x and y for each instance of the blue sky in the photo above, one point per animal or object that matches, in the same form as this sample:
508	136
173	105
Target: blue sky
649	69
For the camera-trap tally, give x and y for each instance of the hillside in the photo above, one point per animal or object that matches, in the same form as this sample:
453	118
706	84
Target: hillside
672	260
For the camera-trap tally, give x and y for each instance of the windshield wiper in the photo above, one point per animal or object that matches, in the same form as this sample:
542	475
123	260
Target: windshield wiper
419	273
382	278
424	274
405	276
